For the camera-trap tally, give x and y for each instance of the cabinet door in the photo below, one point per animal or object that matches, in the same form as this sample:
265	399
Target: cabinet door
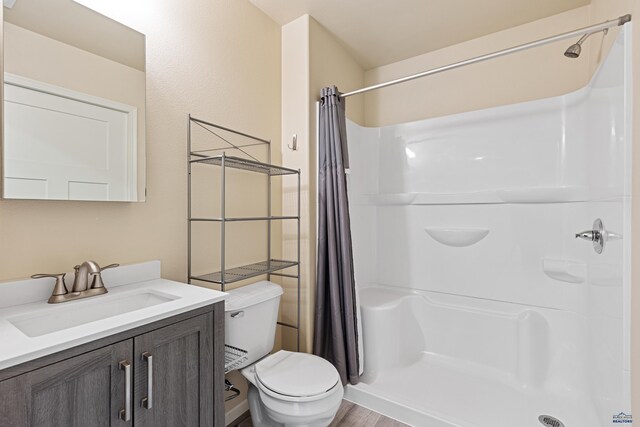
84	391
174	375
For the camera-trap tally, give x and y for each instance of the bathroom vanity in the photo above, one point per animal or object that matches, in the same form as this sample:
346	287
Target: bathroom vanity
148	353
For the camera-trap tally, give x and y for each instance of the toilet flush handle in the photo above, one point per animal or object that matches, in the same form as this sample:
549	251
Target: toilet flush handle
237	314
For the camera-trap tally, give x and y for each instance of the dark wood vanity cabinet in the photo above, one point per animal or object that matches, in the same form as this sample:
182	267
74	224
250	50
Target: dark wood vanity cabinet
85	390
171	373
182	375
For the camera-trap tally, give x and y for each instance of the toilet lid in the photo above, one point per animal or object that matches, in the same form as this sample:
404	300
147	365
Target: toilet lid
296	374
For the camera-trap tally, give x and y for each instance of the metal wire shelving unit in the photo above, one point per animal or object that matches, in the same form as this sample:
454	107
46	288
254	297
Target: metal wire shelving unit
208	158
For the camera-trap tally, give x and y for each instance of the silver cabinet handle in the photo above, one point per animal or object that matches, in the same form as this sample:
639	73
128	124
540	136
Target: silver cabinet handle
147	402
125	414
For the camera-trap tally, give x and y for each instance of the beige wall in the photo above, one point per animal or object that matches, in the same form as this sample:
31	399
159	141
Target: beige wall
535	73
312	58
295	120
331	64
219	60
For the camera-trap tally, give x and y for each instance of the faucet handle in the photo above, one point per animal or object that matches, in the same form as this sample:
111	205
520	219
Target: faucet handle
96	281
60	287
43	275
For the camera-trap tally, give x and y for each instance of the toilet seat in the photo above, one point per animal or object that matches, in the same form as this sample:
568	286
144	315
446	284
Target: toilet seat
296	376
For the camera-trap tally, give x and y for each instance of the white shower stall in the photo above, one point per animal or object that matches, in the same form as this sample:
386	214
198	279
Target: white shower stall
479	306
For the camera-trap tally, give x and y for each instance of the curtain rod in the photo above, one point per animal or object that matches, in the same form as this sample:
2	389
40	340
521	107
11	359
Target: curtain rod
591	29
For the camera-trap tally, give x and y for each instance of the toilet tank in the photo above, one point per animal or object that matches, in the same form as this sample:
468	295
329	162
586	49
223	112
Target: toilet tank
251	315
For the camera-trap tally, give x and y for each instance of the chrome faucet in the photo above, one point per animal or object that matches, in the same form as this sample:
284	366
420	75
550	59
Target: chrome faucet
86	283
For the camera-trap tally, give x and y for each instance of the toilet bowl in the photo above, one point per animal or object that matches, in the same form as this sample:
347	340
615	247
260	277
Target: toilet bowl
285	388
293	389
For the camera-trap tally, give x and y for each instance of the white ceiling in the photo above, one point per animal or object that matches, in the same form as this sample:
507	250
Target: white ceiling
379	32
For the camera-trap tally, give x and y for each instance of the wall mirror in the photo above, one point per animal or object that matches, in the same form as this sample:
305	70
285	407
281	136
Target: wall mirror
74	104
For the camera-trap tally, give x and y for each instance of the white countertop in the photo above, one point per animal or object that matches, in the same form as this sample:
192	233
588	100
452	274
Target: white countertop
16	347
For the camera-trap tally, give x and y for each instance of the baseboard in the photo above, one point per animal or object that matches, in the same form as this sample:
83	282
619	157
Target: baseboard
235	412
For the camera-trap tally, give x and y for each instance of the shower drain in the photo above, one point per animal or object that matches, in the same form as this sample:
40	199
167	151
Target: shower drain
549	421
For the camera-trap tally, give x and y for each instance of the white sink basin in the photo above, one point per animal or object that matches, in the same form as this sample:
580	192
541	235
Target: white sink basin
70	314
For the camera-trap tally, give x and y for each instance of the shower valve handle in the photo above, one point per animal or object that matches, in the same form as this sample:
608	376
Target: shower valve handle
591	235
598	236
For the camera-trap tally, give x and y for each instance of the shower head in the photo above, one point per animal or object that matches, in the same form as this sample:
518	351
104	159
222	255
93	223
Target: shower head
574	50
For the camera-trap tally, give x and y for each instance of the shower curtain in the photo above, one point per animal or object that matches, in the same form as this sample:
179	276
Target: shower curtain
335	327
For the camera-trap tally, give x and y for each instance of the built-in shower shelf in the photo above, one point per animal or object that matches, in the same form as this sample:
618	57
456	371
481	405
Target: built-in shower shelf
544	194
248	271
472	197
389	199
565	270
457	237
400	199
233	357
514	195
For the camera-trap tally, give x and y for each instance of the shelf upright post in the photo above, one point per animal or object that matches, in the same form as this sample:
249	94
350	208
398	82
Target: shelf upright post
189	198
299	270
223	216
269	210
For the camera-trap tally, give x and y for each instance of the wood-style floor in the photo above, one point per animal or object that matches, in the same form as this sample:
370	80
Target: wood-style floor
349	415
352	415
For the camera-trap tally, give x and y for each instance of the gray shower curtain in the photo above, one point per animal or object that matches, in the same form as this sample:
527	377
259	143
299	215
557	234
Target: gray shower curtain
335	327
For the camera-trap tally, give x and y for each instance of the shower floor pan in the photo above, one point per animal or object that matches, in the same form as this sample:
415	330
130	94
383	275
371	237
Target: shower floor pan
440	392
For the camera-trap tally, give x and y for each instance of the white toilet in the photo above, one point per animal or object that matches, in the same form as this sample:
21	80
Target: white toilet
285	388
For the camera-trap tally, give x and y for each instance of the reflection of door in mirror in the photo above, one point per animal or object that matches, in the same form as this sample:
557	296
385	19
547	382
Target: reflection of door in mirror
74	104
66	146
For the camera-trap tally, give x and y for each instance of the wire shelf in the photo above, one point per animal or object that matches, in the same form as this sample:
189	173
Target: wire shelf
246	271
245	164
242	219
233	357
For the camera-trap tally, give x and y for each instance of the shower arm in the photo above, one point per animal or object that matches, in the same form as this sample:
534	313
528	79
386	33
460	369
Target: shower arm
580	32
585	36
